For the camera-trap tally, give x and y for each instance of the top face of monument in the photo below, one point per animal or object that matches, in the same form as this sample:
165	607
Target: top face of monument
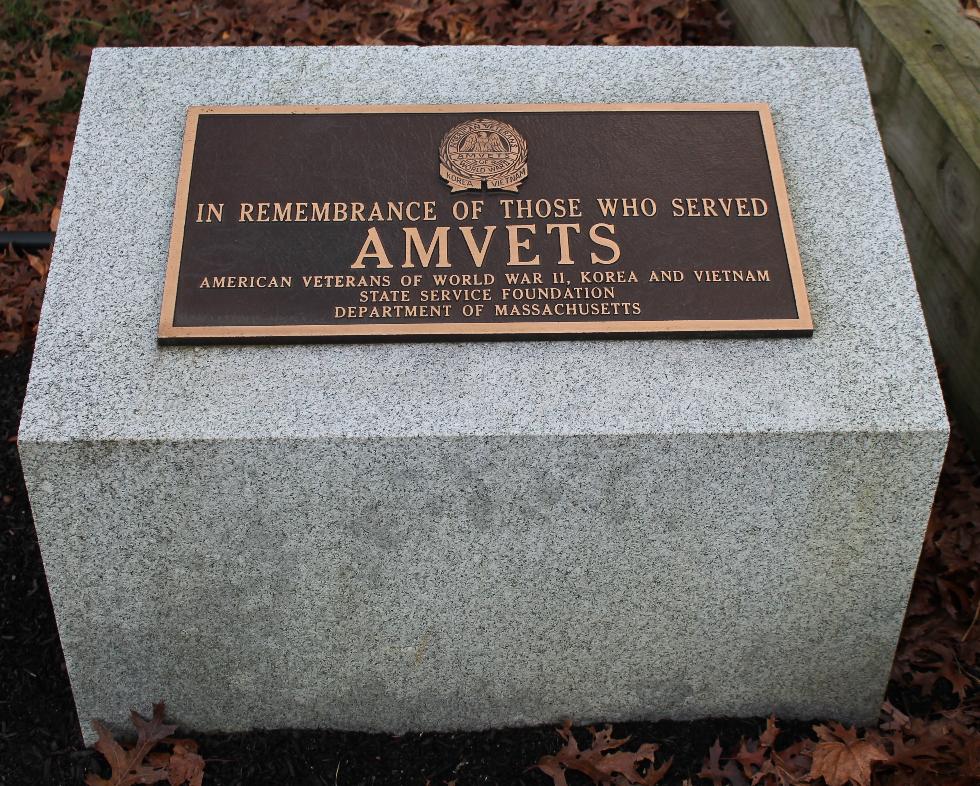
99	372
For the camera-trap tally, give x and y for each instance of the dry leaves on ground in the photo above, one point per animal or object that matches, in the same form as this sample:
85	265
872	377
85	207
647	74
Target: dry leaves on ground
841	757
902	751
757	761
22	278
604	762
940	644
141	763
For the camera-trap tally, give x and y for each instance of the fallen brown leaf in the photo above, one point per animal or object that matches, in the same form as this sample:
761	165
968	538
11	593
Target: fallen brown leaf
141	764
129	767
185	765
603	762
22	182
720	775
841	757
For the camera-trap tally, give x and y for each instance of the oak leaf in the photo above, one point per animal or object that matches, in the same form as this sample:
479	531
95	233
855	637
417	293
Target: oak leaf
603	763
141	763
768	737
47	81
22	182
129	767
719	775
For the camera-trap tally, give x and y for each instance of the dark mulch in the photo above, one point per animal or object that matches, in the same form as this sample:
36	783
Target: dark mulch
39	737
491	757
40	742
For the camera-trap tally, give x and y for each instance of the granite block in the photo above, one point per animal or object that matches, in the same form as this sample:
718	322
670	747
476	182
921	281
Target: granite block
463	535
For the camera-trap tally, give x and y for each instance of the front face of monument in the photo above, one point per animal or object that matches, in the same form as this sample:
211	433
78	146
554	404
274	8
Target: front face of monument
293	458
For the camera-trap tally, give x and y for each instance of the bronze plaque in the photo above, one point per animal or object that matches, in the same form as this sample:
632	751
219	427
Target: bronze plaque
518	221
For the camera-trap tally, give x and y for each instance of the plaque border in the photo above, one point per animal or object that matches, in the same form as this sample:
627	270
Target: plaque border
169	333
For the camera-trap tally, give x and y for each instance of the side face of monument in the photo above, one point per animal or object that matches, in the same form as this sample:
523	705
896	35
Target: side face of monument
463	535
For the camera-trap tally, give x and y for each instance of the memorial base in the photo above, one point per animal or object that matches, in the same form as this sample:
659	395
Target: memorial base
466	535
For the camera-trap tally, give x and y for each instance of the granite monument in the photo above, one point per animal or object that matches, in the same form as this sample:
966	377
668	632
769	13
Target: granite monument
460	534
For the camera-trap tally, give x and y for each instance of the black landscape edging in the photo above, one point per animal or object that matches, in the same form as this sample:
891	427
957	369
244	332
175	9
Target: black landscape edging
27	241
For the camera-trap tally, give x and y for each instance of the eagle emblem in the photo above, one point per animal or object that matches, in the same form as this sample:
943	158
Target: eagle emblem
483	151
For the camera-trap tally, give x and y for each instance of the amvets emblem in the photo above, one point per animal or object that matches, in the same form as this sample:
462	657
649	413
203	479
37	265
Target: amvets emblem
483	151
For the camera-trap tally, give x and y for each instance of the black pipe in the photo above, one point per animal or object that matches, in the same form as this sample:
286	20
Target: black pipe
27	241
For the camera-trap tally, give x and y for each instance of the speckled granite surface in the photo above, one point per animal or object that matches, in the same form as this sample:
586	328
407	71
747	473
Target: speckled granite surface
459	535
